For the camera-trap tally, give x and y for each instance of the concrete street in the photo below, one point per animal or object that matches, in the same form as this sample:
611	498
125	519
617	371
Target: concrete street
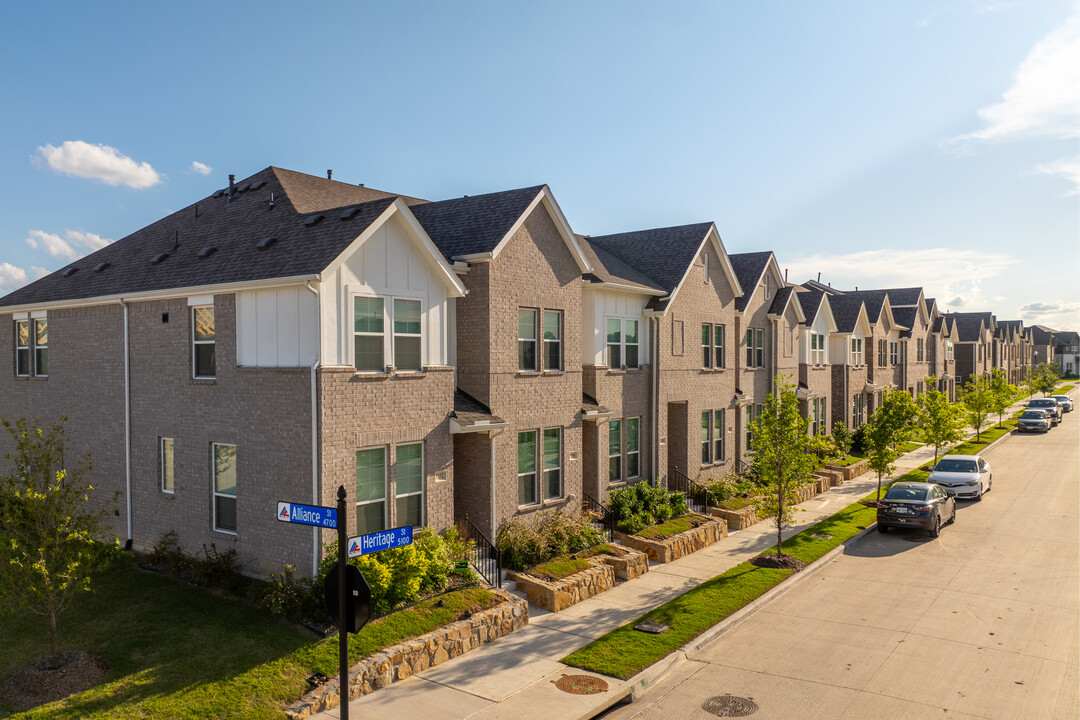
982	623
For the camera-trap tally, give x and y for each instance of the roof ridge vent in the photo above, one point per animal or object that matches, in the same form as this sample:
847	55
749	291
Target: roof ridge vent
265	243
311	220
206	251
70	271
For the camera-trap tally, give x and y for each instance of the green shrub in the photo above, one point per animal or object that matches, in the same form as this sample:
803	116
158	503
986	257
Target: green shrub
287	596
638	506
526	541
219	569
842	439
858	441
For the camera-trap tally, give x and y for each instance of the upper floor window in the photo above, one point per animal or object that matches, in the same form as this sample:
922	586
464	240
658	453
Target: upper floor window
22	348
712	346
755	348
622	343
948	350
919	350
553	340
407	337
817	349
370	321
856	351
203	341
894	353
527	339
224	487
368	334
882	353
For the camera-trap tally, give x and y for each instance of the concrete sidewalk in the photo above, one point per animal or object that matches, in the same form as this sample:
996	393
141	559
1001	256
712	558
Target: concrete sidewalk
514	676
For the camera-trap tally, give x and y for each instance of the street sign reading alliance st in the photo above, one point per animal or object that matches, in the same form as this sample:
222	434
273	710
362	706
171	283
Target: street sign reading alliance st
324	517
376	541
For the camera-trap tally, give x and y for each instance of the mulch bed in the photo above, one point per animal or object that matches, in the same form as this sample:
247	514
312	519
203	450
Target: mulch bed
53	678
870	503
783	562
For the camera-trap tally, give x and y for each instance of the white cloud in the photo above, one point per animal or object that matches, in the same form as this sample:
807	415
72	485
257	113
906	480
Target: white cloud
201	168
97	162
11	278
1056	314
72	246
1069	169
1044	99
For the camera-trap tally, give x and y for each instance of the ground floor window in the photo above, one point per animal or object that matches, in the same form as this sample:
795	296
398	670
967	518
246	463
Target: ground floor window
539	451
224	460
615	474
409	484
858	410
370	490
167	476
633	447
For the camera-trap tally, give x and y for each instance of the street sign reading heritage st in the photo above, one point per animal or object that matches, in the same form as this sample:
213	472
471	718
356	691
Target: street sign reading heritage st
324	517
376	541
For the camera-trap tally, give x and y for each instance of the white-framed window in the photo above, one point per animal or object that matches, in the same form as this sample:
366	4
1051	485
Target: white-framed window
856	351
527	494
224	468
552	459
372	315
41	348
615	469
370	490
22	348
882	353
949	350
817	415
817	349
753	412
858	409
894	353
919	350
633	447
527	340
718	435
409	484
706	440
755	348
369	334
553	332
712	346
168	477
706	345
622	343
203	355
407	336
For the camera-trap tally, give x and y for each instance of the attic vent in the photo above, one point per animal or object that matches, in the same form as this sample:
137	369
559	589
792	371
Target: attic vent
70	271
313	220
206	251
100	267
244	188
257	185
220	193
158	258
265	243
350	213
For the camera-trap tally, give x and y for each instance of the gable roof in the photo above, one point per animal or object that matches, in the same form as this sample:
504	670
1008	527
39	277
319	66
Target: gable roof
969	326
811	301
304	244
846	311
749	267
310	193
784	297
906	316
904	297
611	270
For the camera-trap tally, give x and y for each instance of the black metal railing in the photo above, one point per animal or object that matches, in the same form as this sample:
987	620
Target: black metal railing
602	518
483	555
697	497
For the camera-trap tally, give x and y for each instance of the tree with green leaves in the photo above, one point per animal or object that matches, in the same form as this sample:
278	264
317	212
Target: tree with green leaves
782	460
941	422
1002	393
887	428
978	400
1045	378
50	528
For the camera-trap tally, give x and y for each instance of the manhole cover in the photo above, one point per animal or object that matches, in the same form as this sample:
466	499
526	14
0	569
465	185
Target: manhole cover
581	684
729	706
822	536
918	538
654	628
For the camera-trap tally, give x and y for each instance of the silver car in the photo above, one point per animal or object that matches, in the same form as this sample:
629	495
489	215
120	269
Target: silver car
1064	401
1033	421
963	476
1050	405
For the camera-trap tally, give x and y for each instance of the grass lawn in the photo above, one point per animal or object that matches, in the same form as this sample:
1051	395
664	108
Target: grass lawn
666	529
558	568
846	460
735	503
624	652
178	651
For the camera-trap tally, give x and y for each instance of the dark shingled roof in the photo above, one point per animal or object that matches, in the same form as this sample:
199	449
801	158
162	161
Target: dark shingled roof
1066	338
905	316
899	297
310	193
474	224
748	269
302	247
816	285
610	269
661	254
968	325
470	411
845	309
874	299
590	406
780	301
811	304
930	304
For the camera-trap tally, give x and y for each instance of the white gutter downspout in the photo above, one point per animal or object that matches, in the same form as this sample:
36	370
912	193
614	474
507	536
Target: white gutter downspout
656	402
491	446
315	498
127	423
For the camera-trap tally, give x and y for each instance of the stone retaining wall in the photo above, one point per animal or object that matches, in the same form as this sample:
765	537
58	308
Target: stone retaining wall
736	519
403	660
629	564
556	595
849	472
709	531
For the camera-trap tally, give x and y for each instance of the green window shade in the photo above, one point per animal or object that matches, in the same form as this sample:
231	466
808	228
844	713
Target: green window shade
631	332
527	324
718	435
410	469
527	452
706	421
225	469
204	323
370	518
368	352
552	458
407	317
614	437
407	353
367	314
614	330
552	325
706	335
410	510
370	475
632	427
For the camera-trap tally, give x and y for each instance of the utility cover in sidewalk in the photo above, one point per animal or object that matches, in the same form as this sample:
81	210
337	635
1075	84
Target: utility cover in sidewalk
653	628
822	536
729	706
581	684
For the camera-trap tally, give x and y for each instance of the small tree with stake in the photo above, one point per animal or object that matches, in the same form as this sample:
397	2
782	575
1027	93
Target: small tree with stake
49	528
940	420
978	399
887	428
782	459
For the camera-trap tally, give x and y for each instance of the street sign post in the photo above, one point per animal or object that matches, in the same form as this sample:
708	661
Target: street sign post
324	517
383	540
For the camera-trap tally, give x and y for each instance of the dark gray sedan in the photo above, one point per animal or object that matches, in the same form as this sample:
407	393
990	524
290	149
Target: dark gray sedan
916	505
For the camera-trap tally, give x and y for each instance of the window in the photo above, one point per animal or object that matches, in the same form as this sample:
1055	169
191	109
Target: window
224	487
615	451
949	350
614	343
817	416
706	345
718	345
368	332
41	348
527	340
718	435
753	412
202	338
552	463
407	335
882	352
22	348
622	343
552	340
370	490
705	262
633	447
894	353
919	350
630	338
527	468
409	484
755	347
167	476
817	349
856	351
858	410
706	443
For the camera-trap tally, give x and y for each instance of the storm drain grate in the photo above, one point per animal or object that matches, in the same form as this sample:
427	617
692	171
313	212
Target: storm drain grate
581	684
730	706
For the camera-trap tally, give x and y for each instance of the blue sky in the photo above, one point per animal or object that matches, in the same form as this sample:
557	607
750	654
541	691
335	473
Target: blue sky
880	144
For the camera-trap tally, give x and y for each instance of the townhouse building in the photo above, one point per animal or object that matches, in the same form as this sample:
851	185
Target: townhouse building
974	349
909	310
942	344
1067	352
815	366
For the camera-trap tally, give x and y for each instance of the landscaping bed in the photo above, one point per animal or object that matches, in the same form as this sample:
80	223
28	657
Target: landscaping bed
669	541
851	470
567	580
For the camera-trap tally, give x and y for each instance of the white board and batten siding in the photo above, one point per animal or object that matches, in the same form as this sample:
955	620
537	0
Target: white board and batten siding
597	306
277	327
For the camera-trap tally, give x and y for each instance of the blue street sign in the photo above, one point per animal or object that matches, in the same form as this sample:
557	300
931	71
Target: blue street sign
324	517
376	541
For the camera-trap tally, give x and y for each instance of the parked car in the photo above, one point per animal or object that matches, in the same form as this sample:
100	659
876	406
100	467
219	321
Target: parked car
1033	421
1050	405
915	504
963	476
1064	401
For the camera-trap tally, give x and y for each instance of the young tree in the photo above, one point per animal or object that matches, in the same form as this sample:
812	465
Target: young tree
1002	393
782	459
1046	377
49	527
978	400
940	420
886	429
